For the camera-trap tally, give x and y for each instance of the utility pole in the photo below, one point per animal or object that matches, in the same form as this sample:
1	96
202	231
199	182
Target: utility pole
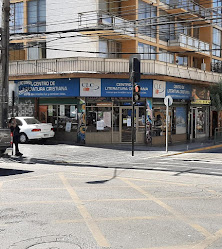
4	63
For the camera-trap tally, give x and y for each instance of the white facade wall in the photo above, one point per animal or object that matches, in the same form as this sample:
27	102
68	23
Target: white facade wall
63	15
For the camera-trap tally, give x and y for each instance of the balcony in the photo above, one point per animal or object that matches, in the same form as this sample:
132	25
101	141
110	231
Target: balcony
105	24
185	43
186	9
106	66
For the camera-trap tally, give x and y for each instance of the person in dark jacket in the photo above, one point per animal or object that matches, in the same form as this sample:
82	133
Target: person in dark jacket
15	130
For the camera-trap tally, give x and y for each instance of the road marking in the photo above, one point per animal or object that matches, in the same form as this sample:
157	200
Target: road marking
170	247
97	234
126	219
1	184
33	202
209	240
119	219
168	208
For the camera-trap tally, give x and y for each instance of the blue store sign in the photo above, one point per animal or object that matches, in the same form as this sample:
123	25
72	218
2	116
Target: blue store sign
178	91
48	88
123	88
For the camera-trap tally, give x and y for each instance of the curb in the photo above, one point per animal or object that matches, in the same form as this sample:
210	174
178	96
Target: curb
194	150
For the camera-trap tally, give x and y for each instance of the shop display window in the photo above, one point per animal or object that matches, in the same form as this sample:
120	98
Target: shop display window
159	121
116	119
98	119
142	120
62	117
201	121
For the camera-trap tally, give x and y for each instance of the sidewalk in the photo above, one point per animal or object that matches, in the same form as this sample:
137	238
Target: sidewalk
161	150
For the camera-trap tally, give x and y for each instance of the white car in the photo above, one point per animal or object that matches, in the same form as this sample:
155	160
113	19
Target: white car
31	128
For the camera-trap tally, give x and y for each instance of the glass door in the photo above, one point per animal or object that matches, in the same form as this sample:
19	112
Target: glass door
126	124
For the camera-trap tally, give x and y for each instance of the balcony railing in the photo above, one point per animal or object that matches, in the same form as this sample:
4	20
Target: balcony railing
105	20
106	66
190	6
190	43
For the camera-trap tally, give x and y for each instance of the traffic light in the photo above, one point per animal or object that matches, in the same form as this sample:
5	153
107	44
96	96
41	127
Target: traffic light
136	93
134	68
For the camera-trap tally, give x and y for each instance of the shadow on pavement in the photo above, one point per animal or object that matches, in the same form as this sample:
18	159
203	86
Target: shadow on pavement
104	181
177	172
9	172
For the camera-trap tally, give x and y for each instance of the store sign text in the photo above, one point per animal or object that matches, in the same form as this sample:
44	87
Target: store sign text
48	88
121	88
178	91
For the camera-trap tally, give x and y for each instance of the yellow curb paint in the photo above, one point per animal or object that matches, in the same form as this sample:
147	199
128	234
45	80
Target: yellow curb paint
97	234
194	150
169	209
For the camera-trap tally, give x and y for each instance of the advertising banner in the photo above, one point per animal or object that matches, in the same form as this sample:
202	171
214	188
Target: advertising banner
123	88
200	95
178	91
48	88
181	120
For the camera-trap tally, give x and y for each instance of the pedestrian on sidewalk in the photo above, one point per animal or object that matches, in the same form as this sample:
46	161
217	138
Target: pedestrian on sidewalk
16	132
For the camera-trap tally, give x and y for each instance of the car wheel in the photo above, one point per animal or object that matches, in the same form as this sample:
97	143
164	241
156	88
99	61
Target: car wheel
23	138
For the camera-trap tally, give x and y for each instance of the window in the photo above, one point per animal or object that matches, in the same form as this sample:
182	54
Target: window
183	28
216	46
16	51
217	12
59	116
114	6
37	16
166	56
166	31
147	52
31	121
110	49
216	66
99	119
36	50
183	61
147	14
16	18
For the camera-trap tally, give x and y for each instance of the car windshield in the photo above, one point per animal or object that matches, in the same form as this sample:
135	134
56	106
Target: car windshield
31	121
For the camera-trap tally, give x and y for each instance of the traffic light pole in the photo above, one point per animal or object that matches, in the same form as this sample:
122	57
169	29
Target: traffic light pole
132	121
134	75
4	64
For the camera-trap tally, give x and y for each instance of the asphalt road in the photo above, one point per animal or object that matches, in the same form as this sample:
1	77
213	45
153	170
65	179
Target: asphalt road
66	196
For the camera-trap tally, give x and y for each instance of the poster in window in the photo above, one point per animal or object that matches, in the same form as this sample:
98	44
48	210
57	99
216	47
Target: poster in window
50	110
73	111
181	120
62	110
100	125
107	119
68	126
128	122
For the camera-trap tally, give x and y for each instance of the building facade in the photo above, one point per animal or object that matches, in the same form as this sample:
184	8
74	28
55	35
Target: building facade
71	69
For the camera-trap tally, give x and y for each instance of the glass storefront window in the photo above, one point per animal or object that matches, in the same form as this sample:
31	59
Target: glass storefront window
116	119
201	121
159	121
142	120
98	119
62	117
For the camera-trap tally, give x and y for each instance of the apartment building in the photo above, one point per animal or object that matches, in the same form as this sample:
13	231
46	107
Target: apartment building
72	66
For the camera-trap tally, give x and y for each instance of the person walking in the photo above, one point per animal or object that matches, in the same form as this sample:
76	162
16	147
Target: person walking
15	131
